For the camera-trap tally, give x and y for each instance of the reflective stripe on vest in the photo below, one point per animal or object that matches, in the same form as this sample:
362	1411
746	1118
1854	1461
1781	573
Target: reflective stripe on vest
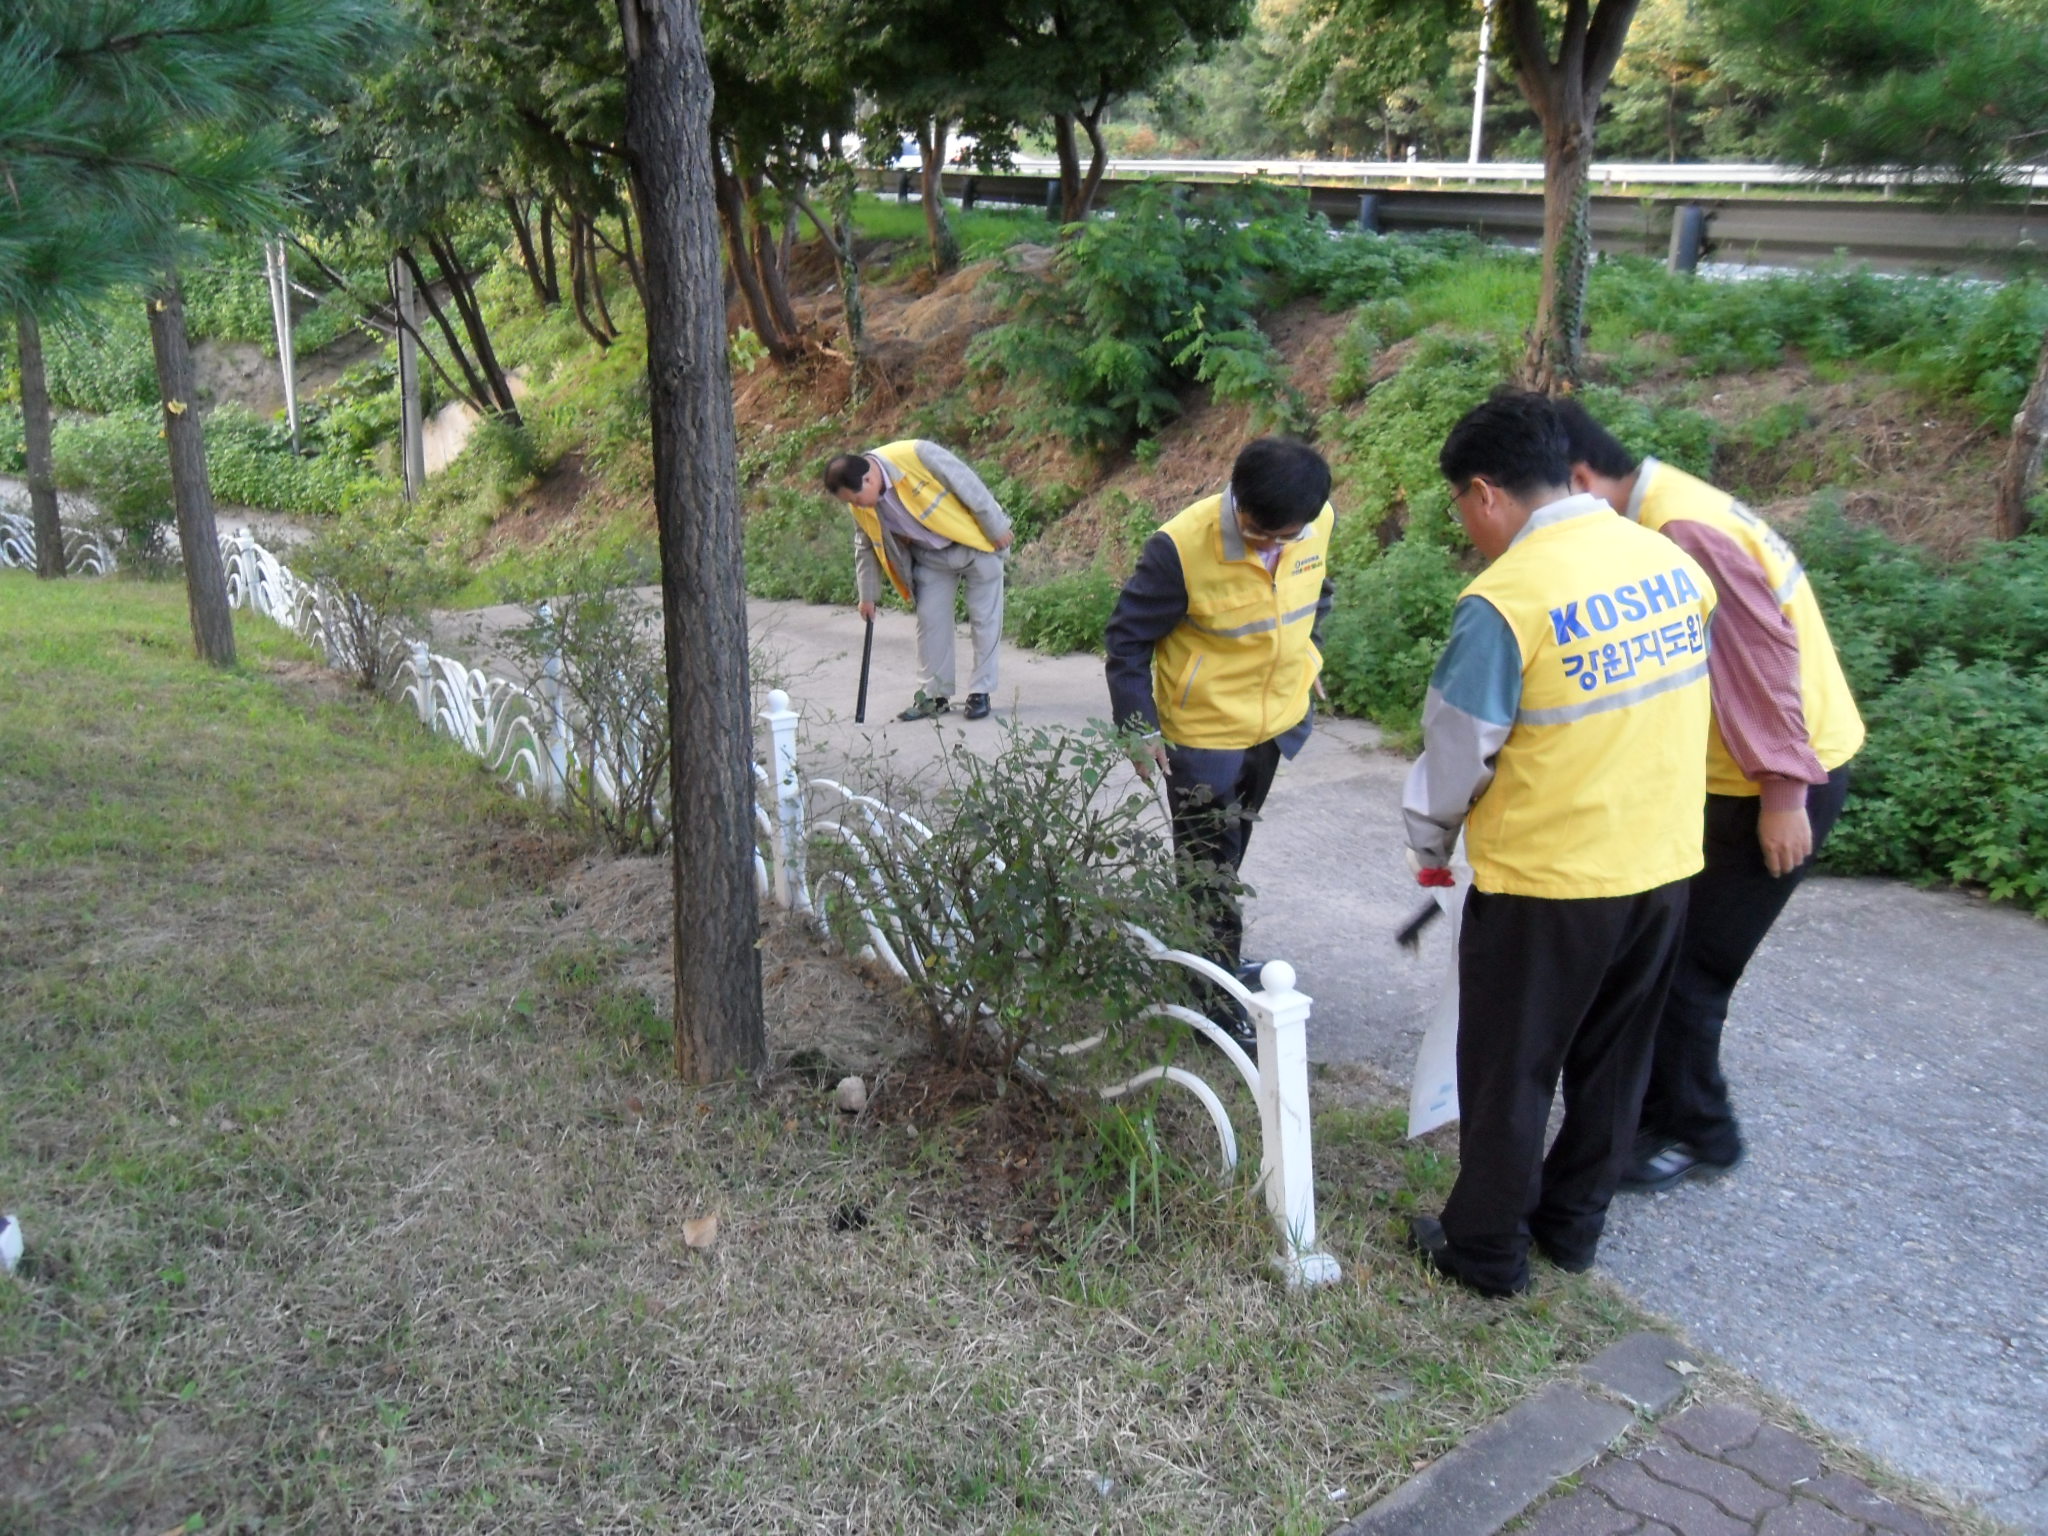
1663	495
1600	788
1238	668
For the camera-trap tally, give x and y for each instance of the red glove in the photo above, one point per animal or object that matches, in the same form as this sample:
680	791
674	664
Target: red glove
1442	877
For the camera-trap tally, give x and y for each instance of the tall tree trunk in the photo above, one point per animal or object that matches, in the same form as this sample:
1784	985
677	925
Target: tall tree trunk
551	281
528	257
931	144
1069	155
2019	477
1098	158
42	462
1565	93
1556	352
732	216
206	582
718	1014
768	259
463	292
579	283
474	390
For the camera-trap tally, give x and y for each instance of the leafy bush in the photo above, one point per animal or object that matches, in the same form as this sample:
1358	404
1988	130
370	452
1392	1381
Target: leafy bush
801	545
1066	613
250	463
101	362
1360	266
1953	782
380	577
1394	441
1389	623
1032	508
1011	916
13	444
1092	339
120	461
1882	600
615	689
1671	433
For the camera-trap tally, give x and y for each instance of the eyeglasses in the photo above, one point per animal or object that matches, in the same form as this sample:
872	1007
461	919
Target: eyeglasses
1258	538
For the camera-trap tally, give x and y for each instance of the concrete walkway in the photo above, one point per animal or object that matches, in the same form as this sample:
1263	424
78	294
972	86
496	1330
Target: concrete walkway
1889	1053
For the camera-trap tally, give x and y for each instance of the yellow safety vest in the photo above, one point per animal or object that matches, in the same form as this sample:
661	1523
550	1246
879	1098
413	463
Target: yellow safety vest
1600	789
1833	725
925	497
1237	669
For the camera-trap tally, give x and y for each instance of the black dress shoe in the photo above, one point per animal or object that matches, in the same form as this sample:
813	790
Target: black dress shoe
1427	1237
1570	1263
1661	1167
977	706
925	707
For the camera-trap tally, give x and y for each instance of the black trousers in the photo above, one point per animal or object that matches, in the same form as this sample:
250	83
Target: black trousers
1734	902
1551	991
1215	796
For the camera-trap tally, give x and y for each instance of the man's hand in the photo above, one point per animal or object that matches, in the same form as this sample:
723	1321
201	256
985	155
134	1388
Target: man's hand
1787	839
1430	874
867	611
1147	756
1004	540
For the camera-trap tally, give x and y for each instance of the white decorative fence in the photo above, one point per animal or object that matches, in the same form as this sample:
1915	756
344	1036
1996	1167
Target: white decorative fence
528	738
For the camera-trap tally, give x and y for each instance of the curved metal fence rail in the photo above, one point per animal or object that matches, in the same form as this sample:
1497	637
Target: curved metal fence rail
527	739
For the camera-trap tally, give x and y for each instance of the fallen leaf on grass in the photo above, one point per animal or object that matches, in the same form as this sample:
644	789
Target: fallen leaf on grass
1683	1367
700	1232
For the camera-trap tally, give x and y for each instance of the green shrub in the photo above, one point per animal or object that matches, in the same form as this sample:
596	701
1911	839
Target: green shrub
1360	266
120	461
101	361
801	545
1032	508
1882	600
1067	613
1093	340
1390	621
250	463
1393	441
1953	782
1671	433
13	444
383	576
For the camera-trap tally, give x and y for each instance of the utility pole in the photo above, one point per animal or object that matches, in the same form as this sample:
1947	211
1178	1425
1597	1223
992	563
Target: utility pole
412	435
1479	85
281	317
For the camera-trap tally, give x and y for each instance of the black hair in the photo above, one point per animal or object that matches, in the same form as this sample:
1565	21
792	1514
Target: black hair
1279	483
847	472
1591	444
1514	439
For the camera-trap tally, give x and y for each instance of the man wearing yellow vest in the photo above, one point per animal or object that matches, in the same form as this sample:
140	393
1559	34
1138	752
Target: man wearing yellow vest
1565	731
925	520
1214	649
1783	732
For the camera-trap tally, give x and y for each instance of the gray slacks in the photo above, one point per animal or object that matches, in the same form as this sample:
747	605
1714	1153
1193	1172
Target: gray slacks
935	576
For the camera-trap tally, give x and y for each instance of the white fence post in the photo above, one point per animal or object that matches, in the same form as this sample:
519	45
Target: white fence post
246	549
790	890
1286	1154
423	668
556	746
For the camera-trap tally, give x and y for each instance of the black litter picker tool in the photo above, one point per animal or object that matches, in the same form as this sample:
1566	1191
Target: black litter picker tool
867	654
1409	935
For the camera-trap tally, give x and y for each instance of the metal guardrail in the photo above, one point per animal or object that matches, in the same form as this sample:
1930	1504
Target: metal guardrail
1890	235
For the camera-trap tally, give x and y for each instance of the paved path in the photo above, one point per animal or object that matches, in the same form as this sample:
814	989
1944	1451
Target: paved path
1889	1051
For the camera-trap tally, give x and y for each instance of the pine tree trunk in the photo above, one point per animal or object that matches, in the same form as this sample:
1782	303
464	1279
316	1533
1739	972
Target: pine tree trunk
1069	155
206	583
718	1014
42	462
2019	477
1553	360
551	283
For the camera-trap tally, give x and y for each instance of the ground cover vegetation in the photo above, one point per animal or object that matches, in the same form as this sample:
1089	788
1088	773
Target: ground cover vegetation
390	1214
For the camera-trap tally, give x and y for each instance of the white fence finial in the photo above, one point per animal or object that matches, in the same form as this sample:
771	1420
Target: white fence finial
1286	1154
